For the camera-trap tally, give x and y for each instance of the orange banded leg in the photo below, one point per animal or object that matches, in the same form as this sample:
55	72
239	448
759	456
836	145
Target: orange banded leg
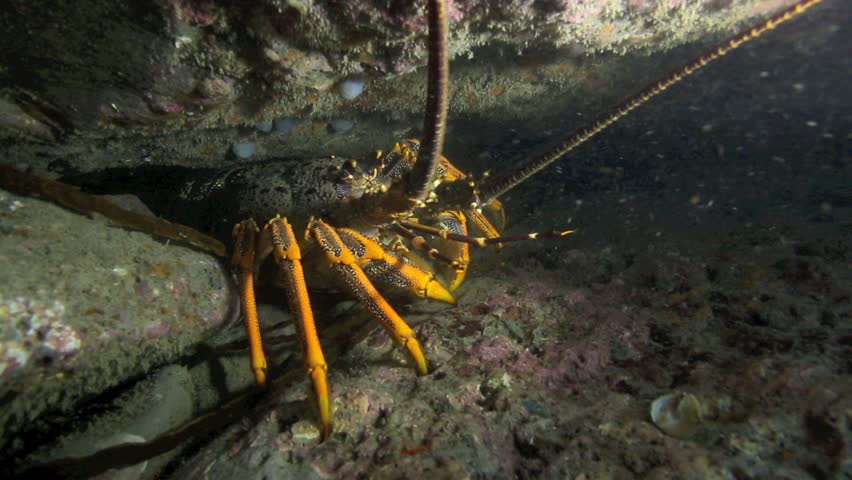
420	243
242	262
453	253
402	156
345	264
391	269
455	222
288	256
495	208
483	224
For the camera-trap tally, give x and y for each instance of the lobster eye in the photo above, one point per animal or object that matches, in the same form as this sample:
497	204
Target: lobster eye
350	180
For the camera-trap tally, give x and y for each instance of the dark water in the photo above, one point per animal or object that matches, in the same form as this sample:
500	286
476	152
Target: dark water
762	131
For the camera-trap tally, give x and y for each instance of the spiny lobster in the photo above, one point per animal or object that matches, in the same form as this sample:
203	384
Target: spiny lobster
365	222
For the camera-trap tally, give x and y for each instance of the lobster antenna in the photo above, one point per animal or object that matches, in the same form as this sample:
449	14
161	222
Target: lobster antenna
434	125
72	198
526	170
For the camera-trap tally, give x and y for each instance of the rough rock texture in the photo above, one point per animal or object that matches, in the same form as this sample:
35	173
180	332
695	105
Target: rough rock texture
554	380
178	81
86	307
712	257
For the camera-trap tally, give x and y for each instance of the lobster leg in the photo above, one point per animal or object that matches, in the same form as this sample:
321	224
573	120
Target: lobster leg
345	264
482	223
242	262
498	212
455	221
391	269
288	256
277	237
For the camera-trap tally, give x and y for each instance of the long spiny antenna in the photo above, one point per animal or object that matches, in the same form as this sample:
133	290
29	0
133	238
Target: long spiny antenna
480	241
423	173
73	199
525	171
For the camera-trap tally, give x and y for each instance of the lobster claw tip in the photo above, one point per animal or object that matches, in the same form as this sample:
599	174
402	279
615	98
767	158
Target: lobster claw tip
438	292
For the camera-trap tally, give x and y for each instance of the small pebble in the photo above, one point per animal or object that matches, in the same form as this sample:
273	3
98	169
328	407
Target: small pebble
304	431
677	414
340	125
351	88
285	124
264	126
535	408
244	150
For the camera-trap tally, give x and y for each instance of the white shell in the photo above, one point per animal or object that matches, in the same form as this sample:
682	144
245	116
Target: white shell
264	126
677	414
340	125
283	125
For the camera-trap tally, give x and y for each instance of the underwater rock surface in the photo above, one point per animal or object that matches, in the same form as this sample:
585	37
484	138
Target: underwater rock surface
539	374
86	307
209	69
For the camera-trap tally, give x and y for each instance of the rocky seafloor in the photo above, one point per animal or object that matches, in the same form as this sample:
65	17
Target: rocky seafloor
711	259
549	372
548	367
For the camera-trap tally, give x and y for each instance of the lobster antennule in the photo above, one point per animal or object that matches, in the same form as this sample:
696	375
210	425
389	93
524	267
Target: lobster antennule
72	198
434	126
526	170
482	241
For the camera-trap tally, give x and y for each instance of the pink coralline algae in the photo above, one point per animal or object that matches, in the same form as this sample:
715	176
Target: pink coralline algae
602	334
35	332
198	13
403	17
503	302
13	355
501	352
597	336
156	329
494	351
165	107
61	343
215	91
